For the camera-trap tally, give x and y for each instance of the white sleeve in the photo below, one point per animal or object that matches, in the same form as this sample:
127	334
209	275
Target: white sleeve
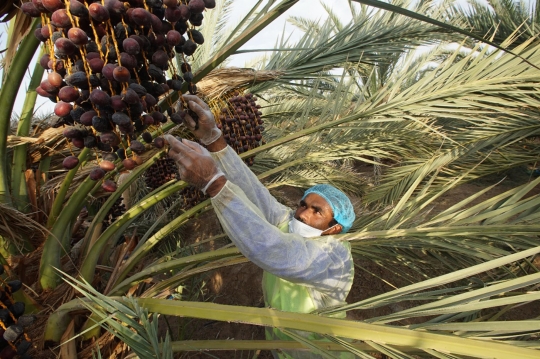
324	263
239	173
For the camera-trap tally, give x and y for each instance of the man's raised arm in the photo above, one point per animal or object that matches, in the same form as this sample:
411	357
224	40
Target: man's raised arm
230	163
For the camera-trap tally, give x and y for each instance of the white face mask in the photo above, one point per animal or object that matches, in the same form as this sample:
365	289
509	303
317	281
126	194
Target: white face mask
295	226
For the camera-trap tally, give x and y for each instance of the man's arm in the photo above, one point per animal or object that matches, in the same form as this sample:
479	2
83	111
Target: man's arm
324	263
239	173
230	163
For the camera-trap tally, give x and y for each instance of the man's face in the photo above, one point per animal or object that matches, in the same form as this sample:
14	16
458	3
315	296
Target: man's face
317	213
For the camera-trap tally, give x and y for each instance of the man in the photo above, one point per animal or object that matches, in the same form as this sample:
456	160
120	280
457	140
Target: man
305	268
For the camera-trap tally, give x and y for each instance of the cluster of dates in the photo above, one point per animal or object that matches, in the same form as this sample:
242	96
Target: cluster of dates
191	197
164	170
14	342
240	121
161	172
238	117
106	62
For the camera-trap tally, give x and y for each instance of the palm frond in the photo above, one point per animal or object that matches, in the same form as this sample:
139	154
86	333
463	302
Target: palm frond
338	24
498	17
399	339
215	28
368	40
461	236
304	24
311	173
129	322
470	113
398	9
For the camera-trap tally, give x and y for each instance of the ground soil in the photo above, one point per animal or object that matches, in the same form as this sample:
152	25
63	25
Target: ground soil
241	284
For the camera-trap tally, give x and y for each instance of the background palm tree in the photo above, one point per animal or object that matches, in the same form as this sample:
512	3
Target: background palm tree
499	19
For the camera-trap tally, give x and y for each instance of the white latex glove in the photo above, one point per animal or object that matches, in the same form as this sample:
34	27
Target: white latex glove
205	130
195	164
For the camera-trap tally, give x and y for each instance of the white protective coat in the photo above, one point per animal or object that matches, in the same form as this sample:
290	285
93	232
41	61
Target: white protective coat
301	274
252	219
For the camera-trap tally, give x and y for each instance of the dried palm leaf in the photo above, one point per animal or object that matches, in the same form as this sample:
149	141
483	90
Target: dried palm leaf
50	142
18	31
16	227
19	140
221	81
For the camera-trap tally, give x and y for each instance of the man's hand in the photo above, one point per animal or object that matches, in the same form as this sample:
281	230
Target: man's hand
195	165
207	131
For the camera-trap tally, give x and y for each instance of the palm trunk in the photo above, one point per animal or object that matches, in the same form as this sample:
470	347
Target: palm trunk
8	94
19	190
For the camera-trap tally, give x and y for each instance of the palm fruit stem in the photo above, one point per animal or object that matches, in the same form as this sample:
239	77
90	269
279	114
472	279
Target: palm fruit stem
155	239
61	195
116	229
102	213
57	243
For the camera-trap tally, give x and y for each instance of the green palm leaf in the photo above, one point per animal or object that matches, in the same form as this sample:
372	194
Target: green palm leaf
400	10
399	336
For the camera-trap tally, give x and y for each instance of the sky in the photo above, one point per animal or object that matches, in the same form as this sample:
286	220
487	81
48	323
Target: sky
311	9
265	39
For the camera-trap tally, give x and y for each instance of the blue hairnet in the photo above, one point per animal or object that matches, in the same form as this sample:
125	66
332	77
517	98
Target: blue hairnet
338	201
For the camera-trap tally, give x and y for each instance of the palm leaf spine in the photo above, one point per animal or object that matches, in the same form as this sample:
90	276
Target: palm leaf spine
204	345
